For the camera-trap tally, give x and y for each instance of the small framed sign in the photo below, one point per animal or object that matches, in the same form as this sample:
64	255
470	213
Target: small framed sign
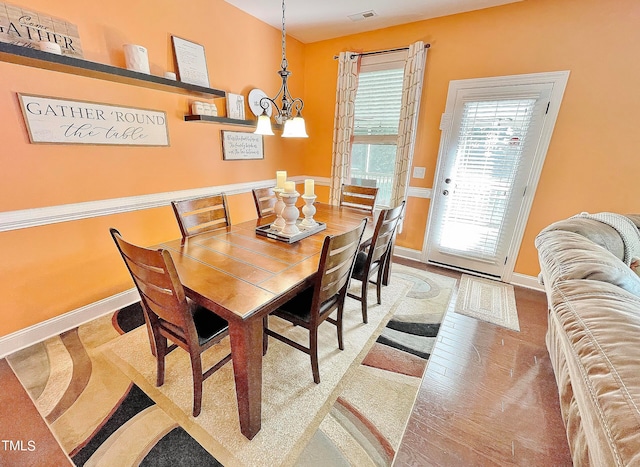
238	145
190	62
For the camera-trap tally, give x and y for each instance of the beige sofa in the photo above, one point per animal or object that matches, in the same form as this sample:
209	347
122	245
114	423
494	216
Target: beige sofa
593	338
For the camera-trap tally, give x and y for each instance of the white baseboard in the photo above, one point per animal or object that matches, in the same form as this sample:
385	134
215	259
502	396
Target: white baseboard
408	253
520	280
54	326
525	281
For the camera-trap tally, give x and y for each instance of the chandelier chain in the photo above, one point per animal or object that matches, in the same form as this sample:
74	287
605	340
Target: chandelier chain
284	41
289	111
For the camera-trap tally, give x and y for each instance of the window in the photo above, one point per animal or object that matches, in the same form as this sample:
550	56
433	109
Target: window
377	116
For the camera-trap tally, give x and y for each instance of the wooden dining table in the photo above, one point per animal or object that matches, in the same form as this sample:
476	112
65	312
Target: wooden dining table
243	277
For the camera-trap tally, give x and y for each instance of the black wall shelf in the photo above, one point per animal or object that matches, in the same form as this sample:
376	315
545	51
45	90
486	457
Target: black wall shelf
225	121
63	63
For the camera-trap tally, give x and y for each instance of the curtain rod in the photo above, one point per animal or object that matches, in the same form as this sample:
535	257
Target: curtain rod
426	46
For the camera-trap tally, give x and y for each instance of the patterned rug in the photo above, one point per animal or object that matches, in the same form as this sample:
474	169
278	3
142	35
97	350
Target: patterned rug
488	300
95	387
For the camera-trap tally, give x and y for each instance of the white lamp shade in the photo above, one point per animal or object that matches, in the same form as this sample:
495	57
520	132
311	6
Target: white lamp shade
295	128
264	126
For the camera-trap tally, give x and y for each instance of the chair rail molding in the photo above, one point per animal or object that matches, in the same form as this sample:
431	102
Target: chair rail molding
35	217
22	219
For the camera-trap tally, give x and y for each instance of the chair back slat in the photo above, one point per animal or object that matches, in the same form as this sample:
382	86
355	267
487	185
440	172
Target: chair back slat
359	197
384	232
336	263
200	215
265	200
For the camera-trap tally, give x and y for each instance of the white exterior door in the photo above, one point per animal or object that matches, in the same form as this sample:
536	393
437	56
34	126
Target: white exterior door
495	134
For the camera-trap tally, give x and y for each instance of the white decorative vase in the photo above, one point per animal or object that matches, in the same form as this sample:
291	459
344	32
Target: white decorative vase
136	58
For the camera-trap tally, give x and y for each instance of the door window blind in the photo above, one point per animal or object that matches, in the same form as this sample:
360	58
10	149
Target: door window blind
485	179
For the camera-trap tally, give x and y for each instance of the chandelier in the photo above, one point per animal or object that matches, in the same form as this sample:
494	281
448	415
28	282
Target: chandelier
294	126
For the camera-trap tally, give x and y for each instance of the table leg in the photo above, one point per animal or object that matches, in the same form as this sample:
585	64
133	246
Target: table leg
246	352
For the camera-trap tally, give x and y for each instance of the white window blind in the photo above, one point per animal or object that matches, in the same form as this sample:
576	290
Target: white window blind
378	100
376	121
485	177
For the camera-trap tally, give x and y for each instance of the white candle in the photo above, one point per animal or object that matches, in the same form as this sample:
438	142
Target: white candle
281	177
289	187
308	187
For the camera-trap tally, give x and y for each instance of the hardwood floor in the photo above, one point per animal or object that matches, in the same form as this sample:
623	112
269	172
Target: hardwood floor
25	438
488	396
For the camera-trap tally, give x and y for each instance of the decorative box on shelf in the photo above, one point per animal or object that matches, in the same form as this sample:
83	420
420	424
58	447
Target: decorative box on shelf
267	231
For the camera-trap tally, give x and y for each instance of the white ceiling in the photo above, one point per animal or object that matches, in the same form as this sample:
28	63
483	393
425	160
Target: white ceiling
315	20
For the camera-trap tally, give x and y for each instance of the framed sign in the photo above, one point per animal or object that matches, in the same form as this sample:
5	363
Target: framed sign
190	62
238	145
26	27
63	121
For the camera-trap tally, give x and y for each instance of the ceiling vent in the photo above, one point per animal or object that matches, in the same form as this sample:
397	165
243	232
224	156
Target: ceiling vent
362	16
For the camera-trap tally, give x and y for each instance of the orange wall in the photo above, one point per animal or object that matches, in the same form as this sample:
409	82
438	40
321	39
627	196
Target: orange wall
592	163
50	270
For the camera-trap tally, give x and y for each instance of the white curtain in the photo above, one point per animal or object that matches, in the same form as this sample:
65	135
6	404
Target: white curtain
348	64
411	94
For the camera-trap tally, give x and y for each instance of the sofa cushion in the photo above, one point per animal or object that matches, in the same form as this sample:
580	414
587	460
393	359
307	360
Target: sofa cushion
567	255
597	329
596	231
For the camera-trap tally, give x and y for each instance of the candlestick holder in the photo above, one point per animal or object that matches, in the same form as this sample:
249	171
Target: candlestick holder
279	223
290	213
308	210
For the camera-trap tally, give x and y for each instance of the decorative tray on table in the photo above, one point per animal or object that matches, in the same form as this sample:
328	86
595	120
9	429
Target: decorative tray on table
266	231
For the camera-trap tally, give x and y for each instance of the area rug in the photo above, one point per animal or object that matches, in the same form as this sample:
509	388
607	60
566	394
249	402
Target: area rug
487	300
292	404
367	421
95	386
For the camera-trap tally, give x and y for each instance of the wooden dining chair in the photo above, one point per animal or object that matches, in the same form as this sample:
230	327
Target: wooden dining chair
374	259
359	197
386	275
315	304
170	315
265	199
198	215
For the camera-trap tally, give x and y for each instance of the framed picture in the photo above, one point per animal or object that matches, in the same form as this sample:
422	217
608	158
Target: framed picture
191	62
235	106
240	146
